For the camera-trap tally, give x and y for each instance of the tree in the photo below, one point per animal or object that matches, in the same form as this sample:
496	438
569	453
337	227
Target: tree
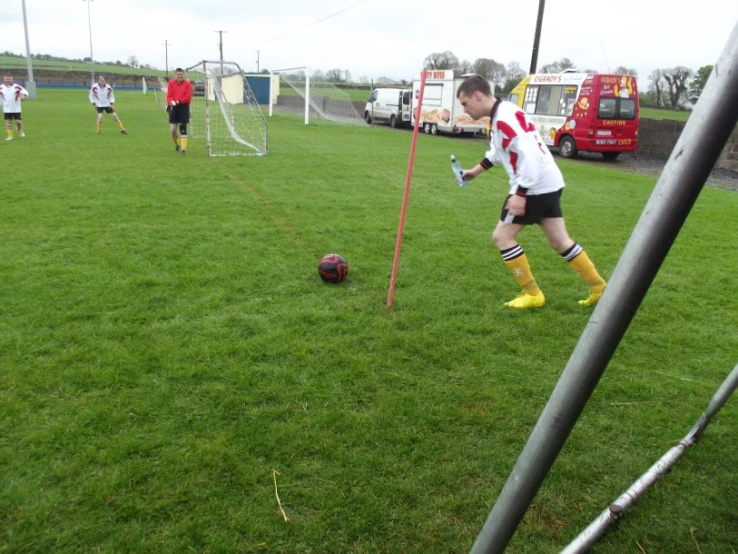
347	75
514	74
334	75
133	61
622	70
318	75
464	67
441	60
558	66
656	86
698	83
490	70
676	79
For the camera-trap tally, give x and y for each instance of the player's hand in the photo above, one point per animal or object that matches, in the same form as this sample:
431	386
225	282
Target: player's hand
516	205
174	103
468	174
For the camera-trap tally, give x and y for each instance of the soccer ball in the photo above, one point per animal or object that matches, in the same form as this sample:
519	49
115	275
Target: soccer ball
332	268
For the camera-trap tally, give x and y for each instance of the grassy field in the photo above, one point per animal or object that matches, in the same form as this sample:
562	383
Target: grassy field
352	93
166	346
657	113
14	62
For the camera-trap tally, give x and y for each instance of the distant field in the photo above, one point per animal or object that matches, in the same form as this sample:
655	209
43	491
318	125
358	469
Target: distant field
171	362
353	94
656	113
10	62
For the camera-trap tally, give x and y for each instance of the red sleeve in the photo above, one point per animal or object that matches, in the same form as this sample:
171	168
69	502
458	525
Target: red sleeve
187	92
170	91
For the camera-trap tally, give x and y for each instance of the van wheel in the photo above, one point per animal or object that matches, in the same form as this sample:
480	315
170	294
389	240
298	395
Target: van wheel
567	148
368	118
393	122
610	156
427	128
434	129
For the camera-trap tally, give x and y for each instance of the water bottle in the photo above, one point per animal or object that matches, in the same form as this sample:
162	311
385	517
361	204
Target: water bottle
456	168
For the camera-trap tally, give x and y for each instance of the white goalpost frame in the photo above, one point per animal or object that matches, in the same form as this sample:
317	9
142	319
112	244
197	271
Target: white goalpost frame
323	97
232	121
304	68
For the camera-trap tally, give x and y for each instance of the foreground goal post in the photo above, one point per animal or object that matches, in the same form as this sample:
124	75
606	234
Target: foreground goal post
224	110
301	92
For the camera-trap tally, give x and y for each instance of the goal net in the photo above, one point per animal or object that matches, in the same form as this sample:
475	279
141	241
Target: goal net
224	111
312	95
160	93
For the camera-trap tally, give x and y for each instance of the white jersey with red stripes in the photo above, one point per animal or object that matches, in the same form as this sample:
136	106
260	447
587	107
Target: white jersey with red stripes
10	97
517	145
102	95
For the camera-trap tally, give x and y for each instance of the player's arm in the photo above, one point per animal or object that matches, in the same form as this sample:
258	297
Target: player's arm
187	96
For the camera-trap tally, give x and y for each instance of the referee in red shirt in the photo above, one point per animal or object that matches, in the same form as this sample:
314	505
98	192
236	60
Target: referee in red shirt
179	95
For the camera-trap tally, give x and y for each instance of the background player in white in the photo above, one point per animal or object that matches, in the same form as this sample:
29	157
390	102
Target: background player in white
103	98
11	96
536	184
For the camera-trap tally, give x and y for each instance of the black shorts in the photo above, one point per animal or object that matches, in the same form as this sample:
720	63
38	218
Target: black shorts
536	208
107	109
179	114
12	115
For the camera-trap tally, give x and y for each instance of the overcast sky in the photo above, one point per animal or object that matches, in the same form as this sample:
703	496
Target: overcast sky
375	38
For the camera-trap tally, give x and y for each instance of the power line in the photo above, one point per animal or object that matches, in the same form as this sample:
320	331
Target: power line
316	22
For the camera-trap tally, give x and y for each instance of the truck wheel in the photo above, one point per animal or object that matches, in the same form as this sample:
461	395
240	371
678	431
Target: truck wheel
610	156
368	118
434	129
393	122
427	128
567	147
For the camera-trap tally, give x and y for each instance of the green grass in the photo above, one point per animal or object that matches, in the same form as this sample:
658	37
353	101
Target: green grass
352	93
658	113
19	63
166	343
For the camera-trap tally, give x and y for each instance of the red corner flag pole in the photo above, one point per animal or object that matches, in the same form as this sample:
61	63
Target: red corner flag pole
405	197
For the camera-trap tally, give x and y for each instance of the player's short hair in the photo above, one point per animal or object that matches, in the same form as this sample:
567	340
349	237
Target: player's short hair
179	69
472	84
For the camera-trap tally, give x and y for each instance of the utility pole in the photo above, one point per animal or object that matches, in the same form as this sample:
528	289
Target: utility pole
166	56
537	38
221	50
257	61
89	24
30	83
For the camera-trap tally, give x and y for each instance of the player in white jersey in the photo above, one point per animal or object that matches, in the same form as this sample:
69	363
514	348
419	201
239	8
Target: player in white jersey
536	184
11	96
103	98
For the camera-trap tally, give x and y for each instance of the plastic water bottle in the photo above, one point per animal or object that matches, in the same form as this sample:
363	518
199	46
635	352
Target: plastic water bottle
456	168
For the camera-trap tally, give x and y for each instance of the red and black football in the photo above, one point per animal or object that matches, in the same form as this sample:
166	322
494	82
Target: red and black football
332	268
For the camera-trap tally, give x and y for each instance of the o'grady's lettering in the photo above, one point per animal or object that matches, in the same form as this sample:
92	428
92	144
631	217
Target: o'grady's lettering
610	80
547	79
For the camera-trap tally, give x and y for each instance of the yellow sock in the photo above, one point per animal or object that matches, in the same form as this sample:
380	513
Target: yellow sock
119	123
183	142
176	140
9	132
99	127
519	267
586	269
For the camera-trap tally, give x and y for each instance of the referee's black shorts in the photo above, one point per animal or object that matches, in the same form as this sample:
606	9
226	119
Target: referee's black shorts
536	208
179	114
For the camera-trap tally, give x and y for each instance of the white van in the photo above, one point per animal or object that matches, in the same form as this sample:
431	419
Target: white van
389	105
